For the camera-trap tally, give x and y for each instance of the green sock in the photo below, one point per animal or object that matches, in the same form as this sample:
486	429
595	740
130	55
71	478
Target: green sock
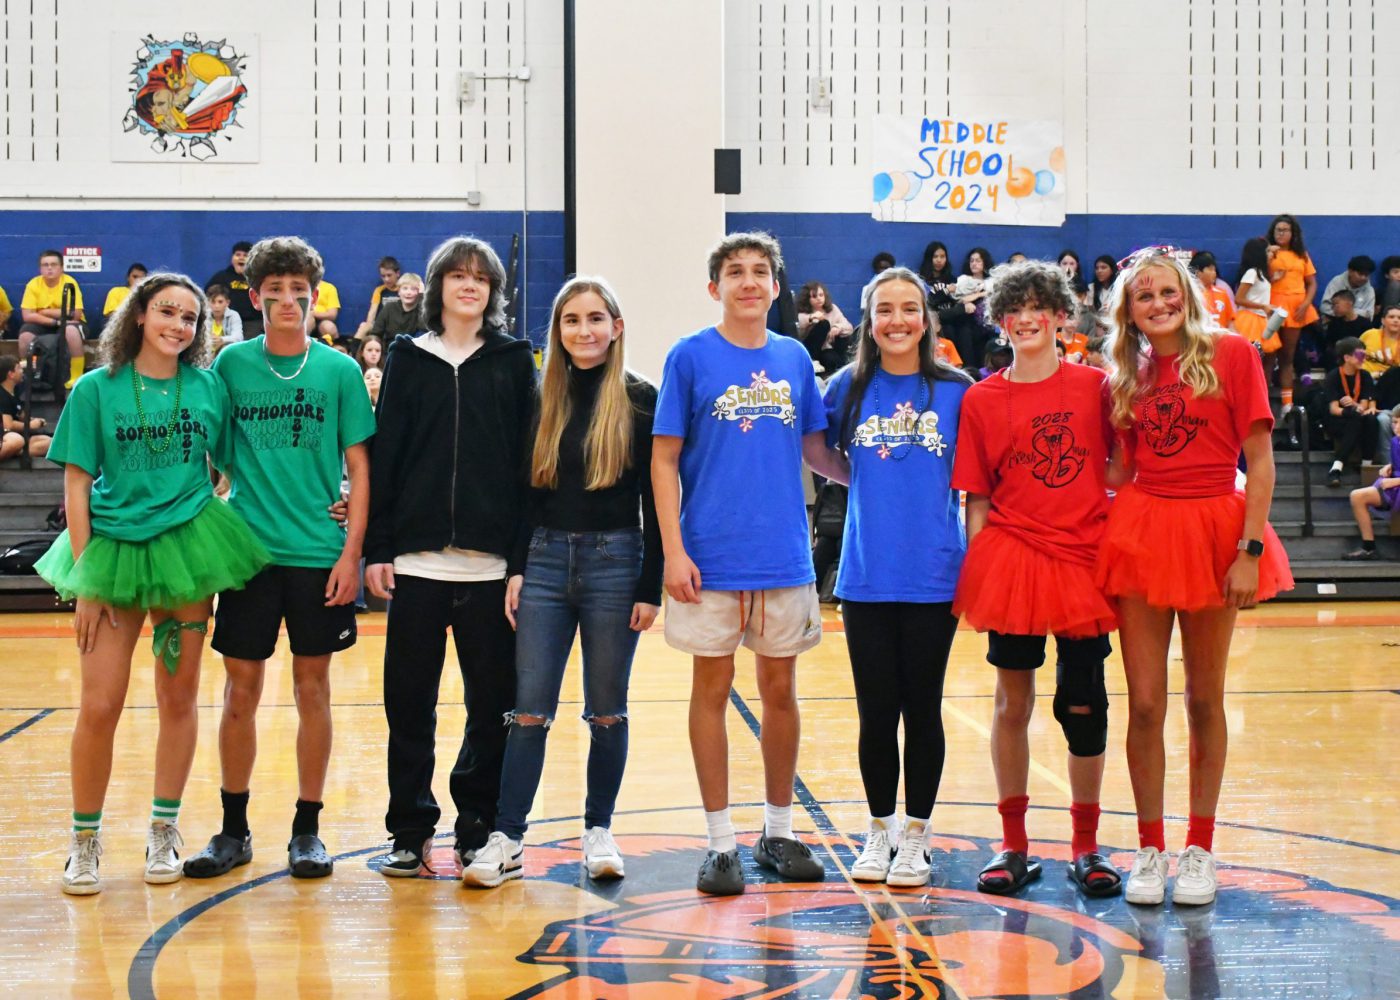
165	811
87	822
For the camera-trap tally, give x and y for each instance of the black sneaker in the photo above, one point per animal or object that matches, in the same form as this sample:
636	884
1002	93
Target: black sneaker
721	874
791	859
307	857
1362	555
1334	478
405	861
222	855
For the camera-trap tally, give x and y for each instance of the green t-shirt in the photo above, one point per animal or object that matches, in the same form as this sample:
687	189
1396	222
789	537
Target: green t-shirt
136	493
286	444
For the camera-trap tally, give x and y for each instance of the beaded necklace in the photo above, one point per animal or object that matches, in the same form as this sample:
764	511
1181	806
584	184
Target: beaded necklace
918	410
1010	423
147	435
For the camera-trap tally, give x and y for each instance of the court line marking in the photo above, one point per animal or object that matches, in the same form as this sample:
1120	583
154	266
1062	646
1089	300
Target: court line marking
16	730
825	828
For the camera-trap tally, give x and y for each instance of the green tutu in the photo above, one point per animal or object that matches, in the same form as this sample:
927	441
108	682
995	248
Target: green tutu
211	552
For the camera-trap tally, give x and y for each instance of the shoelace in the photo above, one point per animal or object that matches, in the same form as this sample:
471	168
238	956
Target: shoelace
911	851
1192	864
89	850
877	844
167	839
598	841
1147	865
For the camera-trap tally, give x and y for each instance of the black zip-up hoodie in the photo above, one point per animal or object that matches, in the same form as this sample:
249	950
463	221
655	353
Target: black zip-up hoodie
451	453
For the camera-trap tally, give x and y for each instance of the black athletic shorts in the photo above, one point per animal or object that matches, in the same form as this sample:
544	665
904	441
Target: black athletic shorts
246	621
1027	652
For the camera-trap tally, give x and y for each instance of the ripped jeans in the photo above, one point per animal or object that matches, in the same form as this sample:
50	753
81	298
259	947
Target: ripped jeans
585	583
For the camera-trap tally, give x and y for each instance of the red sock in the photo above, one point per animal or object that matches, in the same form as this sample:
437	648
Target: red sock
1200	831
1152	834
1085	818
1013	823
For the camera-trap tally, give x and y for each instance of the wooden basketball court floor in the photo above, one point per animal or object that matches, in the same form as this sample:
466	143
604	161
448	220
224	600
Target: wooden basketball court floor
1308	840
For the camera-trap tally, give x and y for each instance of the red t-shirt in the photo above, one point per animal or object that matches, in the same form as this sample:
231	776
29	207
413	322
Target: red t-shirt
1039	451
1185	447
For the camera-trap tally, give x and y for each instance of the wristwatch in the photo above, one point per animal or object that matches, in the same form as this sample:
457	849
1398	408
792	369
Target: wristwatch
1251	546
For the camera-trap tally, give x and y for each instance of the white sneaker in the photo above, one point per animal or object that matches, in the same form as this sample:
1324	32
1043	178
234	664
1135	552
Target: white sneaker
162	859
80	877
1195	877
1147	882
496	863
600	854
911	863
874	861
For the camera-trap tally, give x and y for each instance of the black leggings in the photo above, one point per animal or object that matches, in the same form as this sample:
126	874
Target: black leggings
899	654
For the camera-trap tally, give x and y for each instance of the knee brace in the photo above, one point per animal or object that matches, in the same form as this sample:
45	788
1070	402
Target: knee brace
1079	685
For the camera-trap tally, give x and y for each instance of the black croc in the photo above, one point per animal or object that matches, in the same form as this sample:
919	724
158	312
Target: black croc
1014	863
222	855
307	857
1087	865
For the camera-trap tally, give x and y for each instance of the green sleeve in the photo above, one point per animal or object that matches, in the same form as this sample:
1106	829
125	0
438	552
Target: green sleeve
356	411
78	438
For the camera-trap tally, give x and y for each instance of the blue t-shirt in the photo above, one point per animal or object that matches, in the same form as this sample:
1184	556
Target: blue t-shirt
904	537
743	413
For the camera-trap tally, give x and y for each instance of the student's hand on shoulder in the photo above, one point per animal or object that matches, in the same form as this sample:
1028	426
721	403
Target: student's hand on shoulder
87	619
379	578
643	616
513	586
682	579
344	582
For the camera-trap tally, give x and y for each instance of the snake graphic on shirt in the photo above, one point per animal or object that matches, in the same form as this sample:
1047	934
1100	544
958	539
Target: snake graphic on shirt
1056	462
1163	424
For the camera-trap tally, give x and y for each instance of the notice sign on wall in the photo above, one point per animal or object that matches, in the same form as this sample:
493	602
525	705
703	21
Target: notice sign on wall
959	170
82	259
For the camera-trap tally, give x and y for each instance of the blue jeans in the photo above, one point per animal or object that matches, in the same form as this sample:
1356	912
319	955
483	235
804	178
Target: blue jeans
585	583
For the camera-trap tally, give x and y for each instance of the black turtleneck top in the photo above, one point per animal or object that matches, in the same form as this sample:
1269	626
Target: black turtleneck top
627	503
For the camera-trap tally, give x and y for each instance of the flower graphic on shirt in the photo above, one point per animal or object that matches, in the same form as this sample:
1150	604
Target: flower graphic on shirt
904	428
904	411
884	451
762	397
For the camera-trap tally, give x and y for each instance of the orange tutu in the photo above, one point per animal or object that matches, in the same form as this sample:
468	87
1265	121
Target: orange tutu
1010	587
1175	553
1251	326
1292	302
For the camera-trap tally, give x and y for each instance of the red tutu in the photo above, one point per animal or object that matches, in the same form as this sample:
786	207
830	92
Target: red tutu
1010	587
1175	553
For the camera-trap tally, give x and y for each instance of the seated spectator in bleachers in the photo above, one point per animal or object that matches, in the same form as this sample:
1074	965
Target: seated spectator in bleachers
233	279
12	414
998	356
881	262
1015	257
325	312
6	311
1094	354
41	309
1390	290
1075	344
1357	280
116	296
389	275
1220	304
1350	396
225	325
822	328
1342	321
1105	271
374	378
1383	494
1383	357
371	354
399	313
972	327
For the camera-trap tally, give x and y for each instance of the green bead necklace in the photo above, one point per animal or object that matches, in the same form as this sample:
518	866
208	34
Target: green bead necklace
146	435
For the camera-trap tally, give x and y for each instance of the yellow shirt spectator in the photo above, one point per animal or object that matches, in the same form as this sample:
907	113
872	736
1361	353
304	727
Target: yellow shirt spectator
38	294
1379	345
328	297
5	307
115	298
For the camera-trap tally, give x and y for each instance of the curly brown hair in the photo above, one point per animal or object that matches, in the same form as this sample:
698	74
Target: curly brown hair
283	255
122	337
764	243
1036	283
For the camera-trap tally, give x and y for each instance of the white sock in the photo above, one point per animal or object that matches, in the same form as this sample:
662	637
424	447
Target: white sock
888	823
777	821
1336	466
915	828
721	830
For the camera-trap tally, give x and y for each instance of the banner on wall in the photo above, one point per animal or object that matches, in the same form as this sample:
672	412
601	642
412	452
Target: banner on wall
192	98
968	171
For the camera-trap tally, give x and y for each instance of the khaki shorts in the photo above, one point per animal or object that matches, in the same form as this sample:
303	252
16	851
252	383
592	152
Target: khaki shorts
780	622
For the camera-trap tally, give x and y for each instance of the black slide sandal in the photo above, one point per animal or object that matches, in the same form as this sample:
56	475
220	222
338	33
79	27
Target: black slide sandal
1014	863
1084	867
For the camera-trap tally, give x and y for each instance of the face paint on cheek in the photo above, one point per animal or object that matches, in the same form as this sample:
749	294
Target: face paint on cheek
304	303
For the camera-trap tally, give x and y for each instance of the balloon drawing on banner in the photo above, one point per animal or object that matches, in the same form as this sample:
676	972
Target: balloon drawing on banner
968	171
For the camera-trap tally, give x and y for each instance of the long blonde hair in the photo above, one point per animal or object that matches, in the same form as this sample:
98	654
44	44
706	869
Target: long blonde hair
1131	370
607	448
